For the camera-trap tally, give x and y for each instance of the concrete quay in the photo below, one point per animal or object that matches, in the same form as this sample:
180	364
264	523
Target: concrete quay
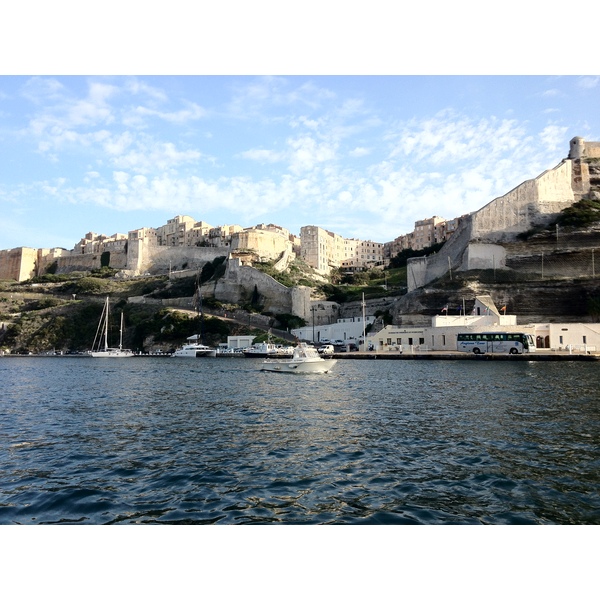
539	356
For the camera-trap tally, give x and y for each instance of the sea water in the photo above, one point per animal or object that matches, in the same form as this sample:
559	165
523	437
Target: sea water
215	440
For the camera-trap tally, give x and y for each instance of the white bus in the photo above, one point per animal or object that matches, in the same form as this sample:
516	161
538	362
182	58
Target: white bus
503	342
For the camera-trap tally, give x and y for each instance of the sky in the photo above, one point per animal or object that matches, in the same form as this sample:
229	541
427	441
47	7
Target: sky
363	154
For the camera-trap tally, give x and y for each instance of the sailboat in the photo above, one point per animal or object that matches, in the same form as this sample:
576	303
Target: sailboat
195	349
100	350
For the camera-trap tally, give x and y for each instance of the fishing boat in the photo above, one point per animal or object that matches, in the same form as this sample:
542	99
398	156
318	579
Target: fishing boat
305	359
100	348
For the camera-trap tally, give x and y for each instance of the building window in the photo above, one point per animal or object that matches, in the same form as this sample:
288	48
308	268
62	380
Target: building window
389	341
560	339
584	339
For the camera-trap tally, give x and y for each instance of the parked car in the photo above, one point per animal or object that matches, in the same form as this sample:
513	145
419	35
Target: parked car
326	349
325	341
338	343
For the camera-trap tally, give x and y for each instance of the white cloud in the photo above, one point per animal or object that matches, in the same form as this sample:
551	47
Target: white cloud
552	136
42	89
192	112
137	86
262	155
359	151
145	155
588	83
551	93
306	153
264	97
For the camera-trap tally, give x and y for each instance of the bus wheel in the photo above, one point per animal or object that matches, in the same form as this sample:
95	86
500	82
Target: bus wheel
476	350
514	351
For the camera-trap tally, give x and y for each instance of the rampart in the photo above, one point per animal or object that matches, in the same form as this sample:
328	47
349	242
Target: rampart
532	203
86	262
18	263
241	284
162	259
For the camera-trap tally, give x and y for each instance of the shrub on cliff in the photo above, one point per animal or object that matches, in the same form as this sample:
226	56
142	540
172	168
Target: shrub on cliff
581	214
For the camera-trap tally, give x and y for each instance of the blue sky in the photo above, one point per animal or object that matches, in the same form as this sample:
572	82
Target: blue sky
361	155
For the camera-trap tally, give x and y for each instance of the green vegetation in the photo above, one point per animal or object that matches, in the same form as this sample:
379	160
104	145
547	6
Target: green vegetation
177	288
173	326
287	321
581	214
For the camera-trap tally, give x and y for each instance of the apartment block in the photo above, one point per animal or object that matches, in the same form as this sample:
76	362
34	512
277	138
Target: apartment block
322	249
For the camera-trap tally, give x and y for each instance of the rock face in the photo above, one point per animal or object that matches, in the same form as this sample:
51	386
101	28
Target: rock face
567	300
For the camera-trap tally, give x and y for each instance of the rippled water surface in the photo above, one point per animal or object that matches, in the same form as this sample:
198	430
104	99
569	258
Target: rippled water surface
154	440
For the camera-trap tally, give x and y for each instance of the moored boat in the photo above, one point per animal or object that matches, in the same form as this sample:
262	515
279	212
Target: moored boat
194	350
267	350
104	351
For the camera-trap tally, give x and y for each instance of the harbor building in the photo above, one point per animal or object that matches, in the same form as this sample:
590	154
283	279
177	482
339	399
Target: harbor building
484	317
346	330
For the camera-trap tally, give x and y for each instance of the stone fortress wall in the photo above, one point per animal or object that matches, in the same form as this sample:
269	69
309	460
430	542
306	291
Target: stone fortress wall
240	284
476	244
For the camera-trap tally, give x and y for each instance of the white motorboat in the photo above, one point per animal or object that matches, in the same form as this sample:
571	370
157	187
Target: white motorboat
305	359
100	350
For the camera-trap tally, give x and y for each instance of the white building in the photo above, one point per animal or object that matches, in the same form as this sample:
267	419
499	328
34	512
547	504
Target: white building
441	336
239	341
350	329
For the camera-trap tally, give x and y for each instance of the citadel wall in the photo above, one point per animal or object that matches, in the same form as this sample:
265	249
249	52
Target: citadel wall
18	263
240	284
267	244
534	202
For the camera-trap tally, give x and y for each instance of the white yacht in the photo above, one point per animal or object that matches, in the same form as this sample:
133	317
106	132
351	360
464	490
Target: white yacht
194	350
305	359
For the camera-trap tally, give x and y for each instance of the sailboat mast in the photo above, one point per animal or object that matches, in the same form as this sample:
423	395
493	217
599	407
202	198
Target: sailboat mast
106	326
201	316
199	311
121	334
